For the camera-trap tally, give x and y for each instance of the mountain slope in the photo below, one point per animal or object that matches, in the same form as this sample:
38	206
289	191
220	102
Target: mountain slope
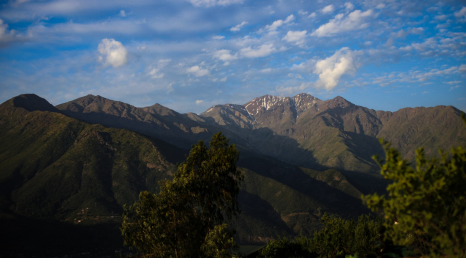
336	133
181	130
59	171
54	166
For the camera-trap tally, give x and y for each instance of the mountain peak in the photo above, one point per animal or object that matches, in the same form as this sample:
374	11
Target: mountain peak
338	101
32	102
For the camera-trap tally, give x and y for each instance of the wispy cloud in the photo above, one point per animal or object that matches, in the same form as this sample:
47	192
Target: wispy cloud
238	27
211	3
197	71
278	23
354	21
296	37
261	51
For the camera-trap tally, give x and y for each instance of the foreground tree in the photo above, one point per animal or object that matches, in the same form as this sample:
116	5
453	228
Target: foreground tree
426	205
339	238
187	218
342	237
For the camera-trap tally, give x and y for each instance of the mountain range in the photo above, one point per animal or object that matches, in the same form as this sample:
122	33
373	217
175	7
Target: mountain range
80	162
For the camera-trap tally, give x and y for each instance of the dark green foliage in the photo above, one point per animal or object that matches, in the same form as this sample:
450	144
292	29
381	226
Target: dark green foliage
427	202
186	219
338	239
219	243
285	248
342	237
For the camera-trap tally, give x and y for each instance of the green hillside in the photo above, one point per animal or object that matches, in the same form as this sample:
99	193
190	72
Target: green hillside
67	180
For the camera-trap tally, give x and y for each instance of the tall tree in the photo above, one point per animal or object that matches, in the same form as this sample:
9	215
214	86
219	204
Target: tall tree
186	219
426	204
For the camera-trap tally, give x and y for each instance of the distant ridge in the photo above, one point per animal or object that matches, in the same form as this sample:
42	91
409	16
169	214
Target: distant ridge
301	130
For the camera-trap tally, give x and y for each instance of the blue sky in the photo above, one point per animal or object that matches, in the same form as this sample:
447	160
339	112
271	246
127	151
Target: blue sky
191	54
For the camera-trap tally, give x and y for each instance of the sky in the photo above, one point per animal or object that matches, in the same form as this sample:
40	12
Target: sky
189	55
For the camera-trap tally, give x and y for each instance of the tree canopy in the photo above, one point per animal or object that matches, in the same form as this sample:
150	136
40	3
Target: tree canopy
426	204
187	218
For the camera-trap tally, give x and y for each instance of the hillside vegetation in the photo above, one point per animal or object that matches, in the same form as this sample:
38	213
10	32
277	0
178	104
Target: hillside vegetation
56	168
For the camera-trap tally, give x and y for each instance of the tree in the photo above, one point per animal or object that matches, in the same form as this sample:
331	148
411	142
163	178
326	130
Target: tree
285	248
186	219
426	204
341	237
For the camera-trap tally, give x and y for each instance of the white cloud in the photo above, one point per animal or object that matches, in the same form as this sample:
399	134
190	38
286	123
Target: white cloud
262	51
354	21
238	27
164	62
349	6
302	12
170	88
267	70
122	13
440	17
328	9
224	55
380	6
421	77
113	52
223	79
210	3
312	15
461	14
274	26
218	37
199	102
402	33
198	71
462	68
154	73
297	37
3	29
332	68
8	36
453	82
